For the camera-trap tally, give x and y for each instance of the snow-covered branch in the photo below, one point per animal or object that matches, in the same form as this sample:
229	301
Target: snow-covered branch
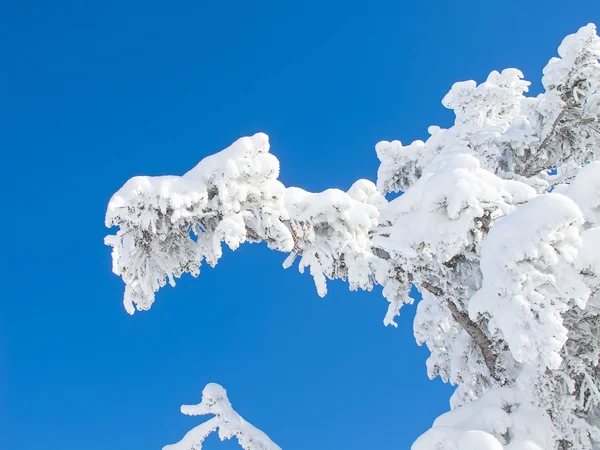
226	421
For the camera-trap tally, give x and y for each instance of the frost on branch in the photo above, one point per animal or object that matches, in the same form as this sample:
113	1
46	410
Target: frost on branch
226	421
497	224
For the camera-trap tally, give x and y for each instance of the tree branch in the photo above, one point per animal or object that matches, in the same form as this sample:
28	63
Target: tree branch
476	333
531	169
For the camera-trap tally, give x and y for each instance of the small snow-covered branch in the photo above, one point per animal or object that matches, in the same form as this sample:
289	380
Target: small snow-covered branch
226	421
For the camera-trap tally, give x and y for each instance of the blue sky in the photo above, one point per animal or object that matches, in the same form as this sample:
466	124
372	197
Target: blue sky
93	93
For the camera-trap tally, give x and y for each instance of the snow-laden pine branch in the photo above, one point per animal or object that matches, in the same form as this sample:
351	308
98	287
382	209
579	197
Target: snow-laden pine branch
497	224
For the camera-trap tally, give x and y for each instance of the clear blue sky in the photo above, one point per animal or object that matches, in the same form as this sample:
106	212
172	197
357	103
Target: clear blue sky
92	93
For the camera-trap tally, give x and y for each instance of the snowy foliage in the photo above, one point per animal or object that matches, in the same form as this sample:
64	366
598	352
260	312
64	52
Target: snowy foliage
225	419
497	224
488	423
331	233
169	225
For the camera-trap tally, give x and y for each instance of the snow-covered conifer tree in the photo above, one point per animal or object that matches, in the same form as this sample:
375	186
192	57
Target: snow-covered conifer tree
497	224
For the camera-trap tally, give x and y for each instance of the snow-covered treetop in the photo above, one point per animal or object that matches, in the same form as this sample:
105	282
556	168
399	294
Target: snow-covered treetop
497	224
